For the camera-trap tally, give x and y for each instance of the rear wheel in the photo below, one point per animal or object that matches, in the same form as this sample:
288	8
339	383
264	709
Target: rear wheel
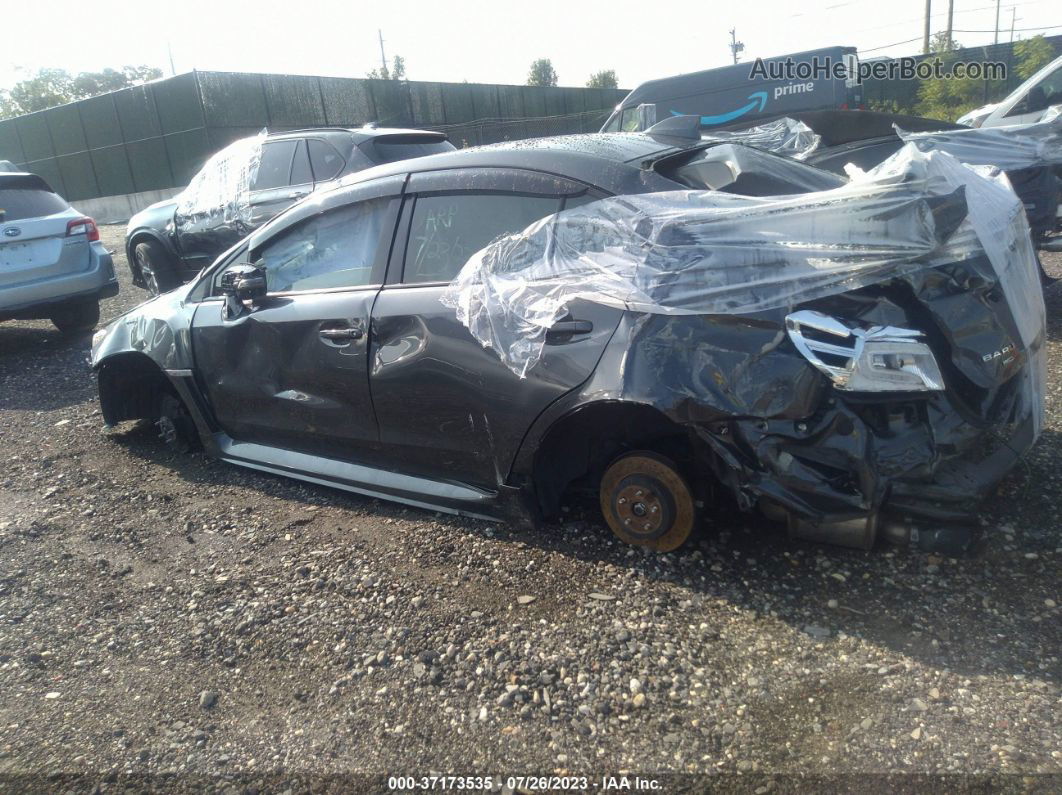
77	318
156	267
646	501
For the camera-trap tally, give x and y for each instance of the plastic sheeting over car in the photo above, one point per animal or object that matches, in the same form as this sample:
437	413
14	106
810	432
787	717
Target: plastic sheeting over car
1009	148
785	136
709	252
222	186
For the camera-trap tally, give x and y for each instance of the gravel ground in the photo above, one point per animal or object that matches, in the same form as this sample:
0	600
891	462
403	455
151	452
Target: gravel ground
183	623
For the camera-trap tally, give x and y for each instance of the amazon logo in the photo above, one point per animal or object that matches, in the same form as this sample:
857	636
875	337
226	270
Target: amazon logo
759	98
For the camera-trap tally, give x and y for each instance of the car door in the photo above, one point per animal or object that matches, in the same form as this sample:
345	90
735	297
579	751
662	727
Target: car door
291	371
447	406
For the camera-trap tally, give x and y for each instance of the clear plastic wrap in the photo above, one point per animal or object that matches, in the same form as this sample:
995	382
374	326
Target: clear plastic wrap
784	136
222	186
708	252
1009	148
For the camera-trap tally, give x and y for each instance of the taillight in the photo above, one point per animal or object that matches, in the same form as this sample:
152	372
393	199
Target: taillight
83	226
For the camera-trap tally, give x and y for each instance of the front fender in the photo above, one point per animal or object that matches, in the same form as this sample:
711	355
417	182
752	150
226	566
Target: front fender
160	329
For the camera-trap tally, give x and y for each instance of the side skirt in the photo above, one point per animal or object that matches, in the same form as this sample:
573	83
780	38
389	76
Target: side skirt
406	489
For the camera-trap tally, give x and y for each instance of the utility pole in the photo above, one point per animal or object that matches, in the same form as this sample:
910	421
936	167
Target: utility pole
383	57
735	45
996	39
925	36
169	51
1013	11
951	11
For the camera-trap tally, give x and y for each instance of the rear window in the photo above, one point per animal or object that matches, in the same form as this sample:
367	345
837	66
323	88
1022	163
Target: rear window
19	203
390	151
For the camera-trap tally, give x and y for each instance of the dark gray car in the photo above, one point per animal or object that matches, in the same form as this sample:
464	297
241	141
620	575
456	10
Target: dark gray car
322	347
245	185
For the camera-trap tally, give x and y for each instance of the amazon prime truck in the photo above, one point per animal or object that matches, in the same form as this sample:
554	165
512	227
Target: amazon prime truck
766	87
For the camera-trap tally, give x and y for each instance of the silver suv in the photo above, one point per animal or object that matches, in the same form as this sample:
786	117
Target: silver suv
52	263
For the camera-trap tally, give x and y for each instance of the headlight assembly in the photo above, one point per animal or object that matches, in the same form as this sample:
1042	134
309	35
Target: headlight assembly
875	359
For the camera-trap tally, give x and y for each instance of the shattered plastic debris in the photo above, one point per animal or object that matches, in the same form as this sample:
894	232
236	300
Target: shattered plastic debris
785	136
222	187
708	252
1009	148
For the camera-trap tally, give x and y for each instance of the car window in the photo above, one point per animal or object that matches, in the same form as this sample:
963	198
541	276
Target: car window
391	151
326	161
300	167
448	229
1040	96
334	249
274	168
19	203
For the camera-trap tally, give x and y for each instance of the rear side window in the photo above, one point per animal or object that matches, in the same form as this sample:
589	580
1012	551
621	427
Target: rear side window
275	166
389	152
19	203
447	230
326	161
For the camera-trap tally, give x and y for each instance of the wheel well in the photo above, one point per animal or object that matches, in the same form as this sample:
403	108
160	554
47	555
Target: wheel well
130	252
130	385
580	445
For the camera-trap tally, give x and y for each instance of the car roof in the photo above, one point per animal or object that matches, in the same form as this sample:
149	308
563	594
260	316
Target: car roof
24	180
611	161
361	134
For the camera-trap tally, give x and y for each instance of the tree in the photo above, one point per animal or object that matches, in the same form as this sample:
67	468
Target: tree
396	72
606	78
1033	54
542	73
947	99
47	88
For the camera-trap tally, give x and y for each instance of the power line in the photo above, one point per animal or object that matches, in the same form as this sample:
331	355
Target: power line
895	44
1016	30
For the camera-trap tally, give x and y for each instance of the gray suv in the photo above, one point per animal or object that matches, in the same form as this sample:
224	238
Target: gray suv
52	263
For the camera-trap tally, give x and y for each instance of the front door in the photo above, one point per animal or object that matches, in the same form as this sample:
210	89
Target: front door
445	404
291	371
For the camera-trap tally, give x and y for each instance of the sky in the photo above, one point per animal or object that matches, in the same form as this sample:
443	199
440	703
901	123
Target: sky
489	42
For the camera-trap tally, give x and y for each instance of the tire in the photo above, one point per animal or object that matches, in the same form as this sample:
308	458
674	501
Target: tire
175	425
156	267
647	502
77	318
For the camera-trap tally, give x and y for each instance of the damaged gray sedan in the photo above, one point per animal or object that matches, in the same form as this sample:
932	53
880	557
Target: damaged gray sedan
674	327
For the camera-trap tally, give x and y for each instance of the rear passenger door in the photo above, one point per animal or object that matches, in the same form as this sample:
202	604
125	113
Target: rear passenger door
446	405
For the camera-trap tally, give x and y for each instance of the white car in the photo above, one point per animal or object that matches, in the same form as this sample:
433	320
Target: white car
1026	104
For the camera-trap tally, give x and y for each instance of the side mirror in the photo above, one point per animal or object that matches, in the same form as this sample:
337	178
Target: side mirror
244	283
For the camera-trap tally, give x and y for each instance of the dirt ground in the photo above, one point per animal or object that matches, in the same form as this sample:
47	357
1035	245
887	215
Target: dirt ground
171	622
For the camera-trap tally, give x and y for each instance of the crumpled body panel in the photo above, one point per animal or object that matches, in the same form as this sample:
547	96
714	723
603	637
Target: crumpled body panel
158	329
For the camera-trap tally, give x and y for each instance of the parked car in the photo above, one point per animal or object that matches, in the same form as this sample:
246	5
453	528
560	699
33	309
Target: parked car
319	348
169	242
52	263
1026	104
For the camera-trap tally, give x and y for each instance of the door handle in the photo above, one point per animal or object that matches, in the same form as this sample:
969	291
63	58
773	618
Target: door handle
564	330
341	334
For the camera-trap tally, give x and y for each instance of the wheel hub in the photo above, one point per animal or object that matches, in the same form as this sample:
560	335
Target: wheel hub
641	506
